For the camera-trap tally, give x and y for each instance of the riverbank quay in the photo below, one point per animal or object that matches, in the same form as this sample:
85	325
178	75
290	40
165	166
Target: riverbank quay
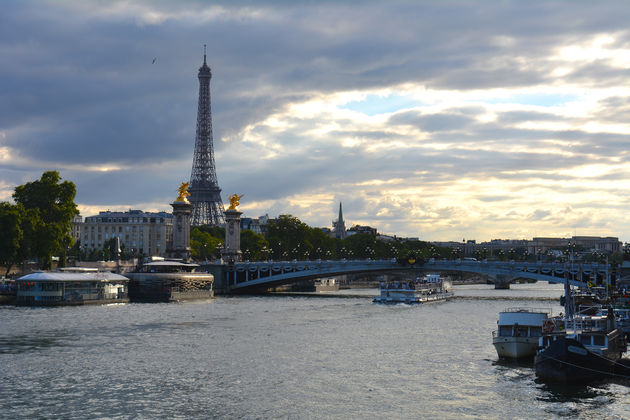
8	291
7	299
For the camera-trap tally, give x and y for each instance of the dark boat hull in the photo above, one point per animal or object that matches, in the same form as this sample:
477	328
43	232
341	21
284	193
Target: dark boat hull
164	292
168	286
567	360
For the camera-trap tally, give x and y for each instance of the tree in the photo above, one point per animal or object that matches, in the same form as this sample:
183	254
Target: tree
288	237
11	234
18	233
203	244
108	253
253	244
361	245
54	202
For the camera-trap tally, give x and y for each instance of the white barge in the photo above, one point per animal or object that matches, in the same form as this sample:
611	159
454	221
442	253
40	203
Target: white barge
427	289
71	286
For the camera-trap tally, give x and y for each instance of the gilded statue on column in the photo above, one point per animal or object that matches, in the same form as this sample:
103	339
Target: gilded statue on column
183	192
234	201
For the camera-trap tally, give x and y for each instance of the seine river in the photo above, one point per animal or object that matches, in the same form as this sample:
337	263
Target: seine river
295	357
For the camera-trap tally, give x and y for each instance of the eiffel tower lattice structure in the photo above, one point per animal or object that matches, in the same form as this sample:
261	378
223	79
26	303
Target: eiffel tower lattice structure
205	194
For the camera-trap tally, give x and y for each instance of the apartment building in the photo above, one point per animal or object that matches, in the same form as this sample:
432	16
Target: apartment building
139	232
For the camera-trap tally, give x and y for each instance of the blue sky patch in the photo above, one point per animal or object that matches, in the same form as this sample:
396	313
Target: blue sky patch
375	104
533	99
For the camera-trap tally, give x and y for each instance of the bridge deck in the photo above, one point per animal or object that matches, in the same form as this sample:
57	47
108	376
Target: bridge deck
257	275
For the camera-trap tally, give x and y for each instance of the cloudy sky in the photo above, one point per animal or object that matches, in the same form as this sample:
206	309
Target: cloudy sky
442	120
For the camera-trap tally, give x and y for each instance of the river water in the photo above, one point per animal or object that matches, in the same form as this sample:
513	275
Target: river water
283	357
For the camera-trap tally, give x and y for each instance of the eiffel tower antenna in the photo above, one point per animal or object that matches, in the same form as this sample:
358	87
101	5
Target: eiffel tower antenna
205	194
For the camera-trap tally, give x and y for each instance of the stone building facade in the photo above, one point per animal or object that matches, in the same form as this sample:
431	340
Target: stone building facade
139	232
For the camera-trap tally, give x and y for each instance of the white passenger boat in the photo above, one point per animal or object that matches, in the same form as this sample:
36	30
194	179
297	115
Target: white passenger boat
71	286
427	289
519	330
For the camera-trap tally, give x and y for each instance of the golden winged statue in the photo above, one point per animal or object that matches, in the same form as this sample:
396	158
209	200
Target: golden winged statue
234	201
183	192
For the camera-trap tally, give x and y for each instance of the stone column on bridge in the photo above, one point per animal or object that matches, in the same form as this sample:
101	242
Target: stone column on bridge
232	248
501	281
181	225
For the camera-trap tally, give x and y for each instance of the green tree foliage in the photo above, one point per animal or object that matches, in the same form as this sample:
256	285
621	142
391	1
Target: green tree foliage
217	232
54	202
253	245
360	245
11	234
108	252
289	238
204	245
18	234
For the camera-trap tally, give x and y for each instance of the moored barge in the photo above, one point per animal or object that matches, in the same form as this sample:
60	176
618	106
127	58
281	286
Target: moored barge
169	281
71	286
588	347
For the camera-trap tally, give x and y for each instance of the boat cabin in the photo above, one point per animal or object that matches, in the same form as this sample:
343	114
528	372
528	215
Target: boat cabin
522	322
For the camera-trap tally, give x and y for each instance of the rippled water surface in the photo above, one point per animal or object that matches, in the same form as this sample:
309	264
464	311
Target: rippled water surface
283	357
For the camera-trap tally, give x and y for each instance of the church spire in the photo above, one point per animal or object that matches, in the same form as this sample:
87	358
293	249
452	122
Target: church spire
339	225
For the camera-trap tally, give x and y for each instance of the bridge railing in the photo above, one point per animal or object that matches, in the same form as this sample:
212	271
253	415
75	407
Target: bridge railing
578	274
246	273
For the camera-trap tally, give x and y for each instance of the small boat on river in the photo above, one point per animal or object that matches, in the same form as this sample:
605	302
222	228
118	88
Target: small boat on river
519	330
162	280
427	289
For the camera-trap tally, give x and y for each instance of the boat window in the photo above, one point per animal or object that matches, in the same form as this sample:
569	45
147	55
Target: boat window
505	331
599	340
521	331
535	331
585	339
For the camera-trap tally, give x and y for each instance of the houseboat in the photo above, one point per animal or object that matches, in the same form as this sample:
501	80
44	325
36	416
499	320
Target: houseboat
161	280
519	330
71	286
429	288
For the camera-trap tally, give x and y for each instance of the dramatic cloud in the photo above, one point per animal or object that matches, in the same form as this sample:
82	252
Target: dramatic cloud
440	120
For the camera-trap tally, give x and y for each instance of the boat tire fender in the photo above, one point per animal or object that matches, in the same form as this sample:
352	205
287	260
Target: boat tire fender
548	326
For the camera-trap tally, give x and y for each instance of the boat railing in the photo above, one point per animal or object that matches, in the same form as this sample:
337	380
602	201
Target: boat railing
529	309
588	324
404	285
589	309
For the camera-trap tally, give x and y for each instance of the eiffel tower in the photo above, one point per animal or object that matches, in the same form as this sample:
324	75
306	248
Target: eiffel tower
205	194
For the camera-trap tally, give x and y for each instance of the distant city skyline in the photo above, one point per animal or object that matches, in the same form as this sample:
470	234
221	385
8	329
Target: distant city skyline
439	120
